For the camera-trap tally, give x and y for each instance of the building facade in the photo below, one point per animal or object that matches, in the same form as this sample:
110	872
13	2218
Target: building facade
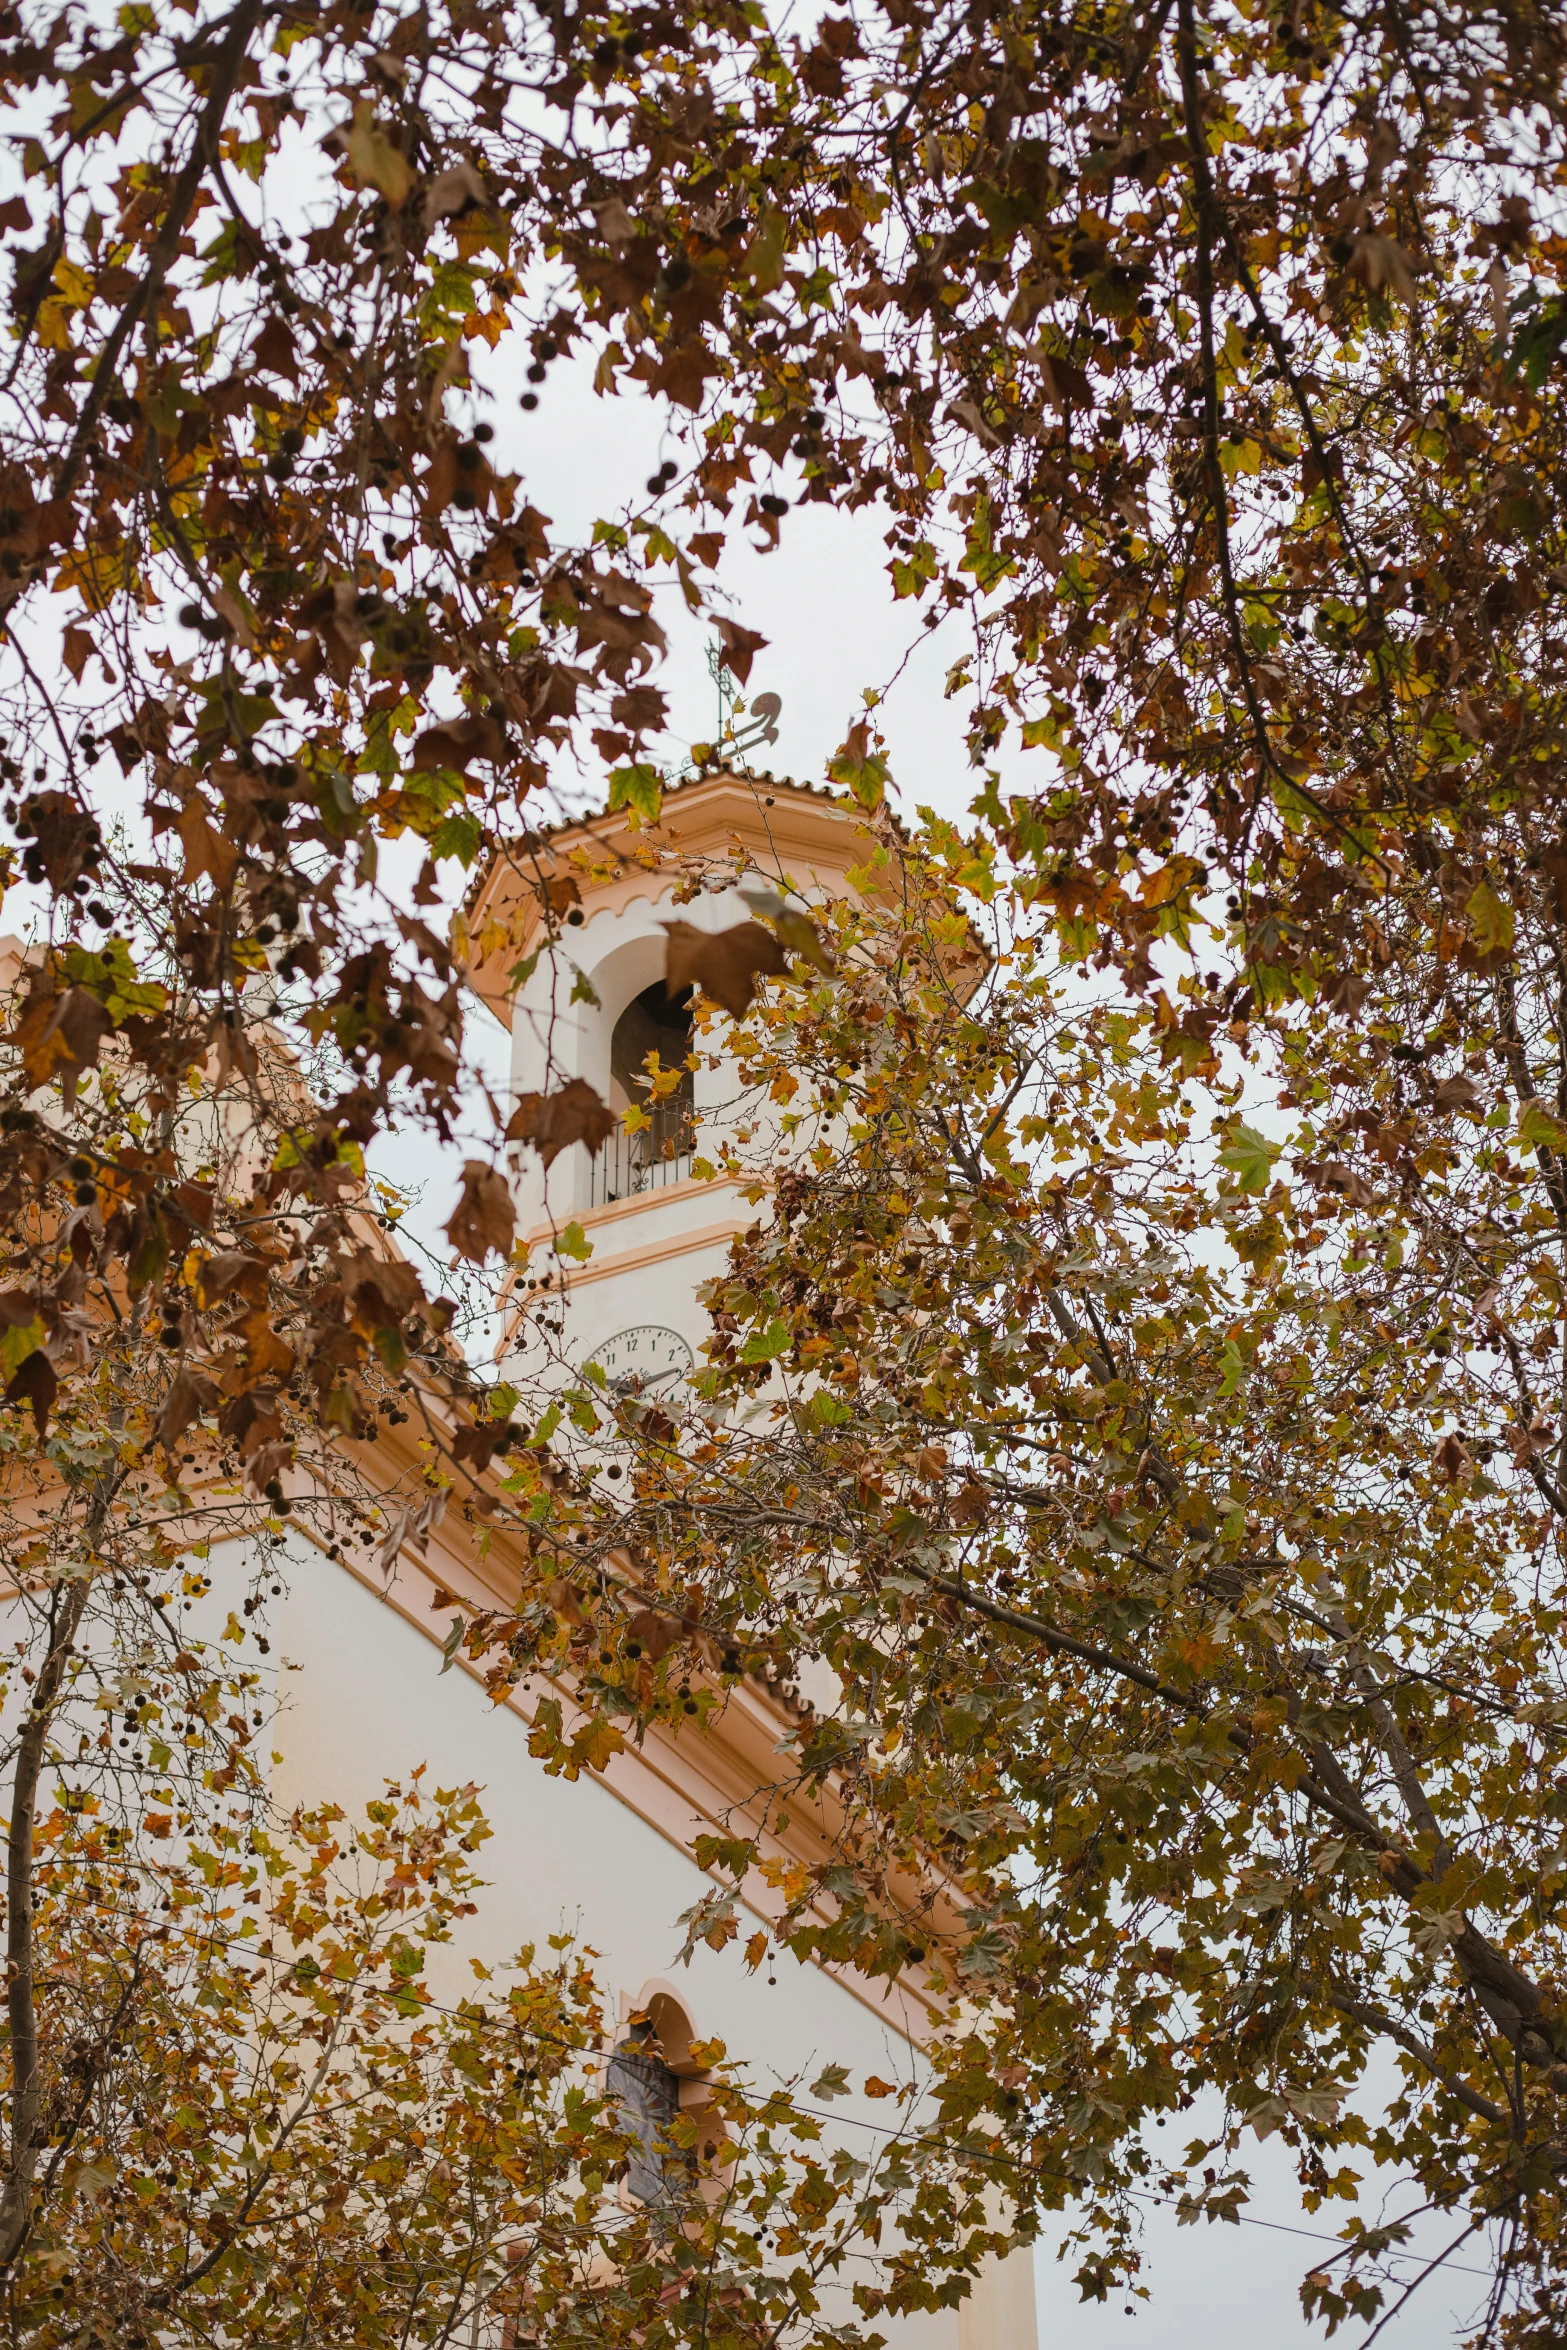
360	1696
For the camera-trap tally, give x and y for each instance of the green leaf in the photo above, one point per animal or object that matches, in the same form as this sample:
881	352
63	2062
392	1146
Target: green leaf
764	1346
639	788
17	1342
1249	1156
451	1644
1539	342
1539	1130
574	1243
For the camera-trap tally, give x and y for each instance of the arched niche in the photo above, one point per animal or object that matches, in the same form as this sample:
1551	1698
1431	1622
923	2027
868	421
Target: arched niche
656	2075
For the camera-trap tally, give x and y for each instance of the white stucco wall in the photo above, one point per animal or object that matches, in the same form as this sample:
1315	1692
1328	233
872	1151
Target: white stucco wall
361	1700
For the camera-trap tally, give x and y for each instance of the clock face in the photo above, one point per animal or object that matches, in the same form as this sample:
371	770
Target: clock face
648	1360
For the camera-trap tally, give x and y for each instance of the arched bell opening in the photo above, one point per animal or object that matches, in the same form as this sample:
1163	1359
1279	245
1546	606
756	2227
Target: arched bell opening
651	1038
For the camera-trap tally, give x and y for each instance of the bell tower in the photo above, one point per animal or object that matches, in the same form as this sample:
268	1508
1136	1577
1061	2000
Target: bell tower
595	1007
626	1237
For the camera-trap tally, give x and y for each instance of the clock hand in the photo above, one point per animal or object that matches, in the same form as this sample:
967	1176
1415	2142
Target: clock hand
638	1382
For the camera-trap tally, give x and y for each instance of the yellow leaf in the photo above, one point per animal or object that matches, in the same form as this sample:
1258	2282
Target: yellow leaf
73	282
1490	919
375	161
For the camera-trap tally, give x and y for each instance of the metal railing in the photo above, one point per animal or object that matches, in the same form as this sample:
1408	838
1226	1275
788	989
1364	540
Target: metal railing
649	1160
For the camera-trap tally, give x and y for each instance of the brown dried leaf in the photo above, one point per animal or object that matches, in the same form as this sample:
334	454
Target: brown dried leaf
252	1418
1452	1458
268	1461
739	647
552	1122
1338	1175
456	188
411	1525
1382	265
60	1034
267	1356
273	349
206	851
35	1383
454	746
484	1217
380	1292
655	1634
1537	1437
724	964
615	224
190	1394
231	1269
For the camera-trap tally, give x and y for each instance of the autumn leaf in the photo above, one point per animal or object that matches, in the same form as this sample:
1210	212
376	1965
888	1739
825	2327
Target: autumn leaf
206	851
1490	919
457	744
862	768
59	1033
724	964
552	1122
639	787
190	1393
452	192
35	1383
273	349
1383	264
653	1633
267	1355
375	162
795	931
230	1269
1457	1092
1452	1459
738	647
485	1217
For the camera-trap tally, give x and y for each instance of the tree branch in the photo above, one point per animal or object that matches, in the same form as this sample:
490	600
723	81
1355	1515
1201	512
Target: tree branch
16	2206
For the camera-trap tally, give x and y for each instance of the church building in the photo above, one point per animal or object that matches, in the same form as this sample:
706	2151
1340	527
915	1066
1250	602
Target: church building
361	1694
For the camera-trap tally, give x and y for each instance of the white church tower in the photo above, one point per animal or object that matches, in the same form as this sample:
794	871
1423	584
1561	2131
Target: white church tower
597	1006
362	1696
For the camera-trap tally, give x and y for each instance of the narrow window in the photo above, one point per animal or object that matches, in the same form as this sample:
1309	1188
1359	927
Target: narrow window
647	2092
